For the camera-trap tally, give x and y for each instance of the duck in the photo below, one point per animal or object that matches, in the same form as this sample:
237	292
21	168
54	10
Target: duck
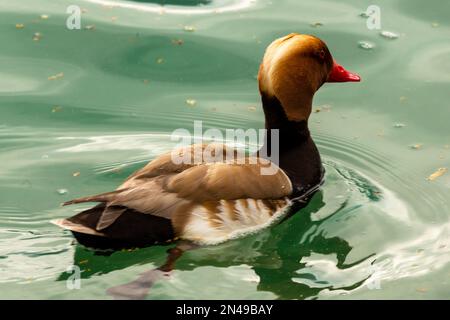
209	202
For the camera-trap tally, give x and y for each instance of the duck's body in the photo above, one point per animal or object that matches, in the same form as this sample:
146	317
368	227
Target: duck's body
208	201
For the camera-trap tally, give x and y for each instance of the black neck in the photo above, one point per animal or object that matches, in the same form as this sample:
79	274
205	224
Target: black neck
298	155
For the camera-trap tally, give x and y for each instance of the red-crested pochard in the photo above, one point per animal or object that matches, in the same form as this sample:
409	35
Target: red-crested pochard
213	202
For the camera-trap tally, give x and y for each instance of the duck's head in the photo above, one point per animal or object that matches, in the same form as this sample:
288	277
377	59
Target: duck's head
294	67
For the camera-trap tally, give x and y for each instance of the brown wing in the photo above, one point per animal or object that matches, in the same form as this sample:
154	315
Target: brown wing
181	189
165	163
227	181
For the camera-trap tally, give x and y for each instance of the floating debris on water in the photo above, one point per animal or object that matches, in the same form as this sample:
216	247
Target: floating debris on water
76	174
44	16
177	42
389	34
422	290
325	108
159	60
435	24
90	27
56	76
189	28
366	45
399	125
439	172
416	146
316	24
251	108
20	26
37	36
62	191
364	15
191	102
56	109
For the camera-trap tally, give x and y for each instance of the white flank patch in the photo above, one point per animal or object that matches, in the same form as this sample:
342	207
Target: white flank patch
200	230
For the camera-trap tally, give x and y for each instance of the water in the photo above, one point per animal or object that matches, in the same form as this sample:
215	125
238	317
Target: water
81	110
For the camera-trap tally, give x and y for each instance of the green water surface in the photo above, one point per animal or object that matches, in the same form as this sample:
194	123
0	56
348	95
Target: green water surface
82	109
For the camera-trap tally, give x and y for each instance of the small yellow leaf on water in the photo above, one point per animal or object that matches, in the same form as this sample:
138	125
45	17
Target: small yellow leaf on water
44	16
20	26
251	108
90	27
191	102
159	60
178	42
416	146
76	174
189	28
37	36
56	76
422	290
403	99
439	172
56	109
83	261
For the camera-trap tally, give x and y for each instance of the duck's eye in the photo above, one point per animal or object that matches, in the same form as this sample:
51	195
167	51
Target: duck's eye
321	54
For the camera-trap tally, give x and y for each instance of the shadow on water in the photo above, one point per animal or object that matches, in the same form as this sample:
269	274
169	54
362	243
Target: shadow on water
275	256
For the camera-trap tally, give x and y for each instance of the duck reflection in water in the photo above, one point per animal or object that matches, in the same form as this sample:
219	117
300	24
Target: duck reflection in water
273	254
